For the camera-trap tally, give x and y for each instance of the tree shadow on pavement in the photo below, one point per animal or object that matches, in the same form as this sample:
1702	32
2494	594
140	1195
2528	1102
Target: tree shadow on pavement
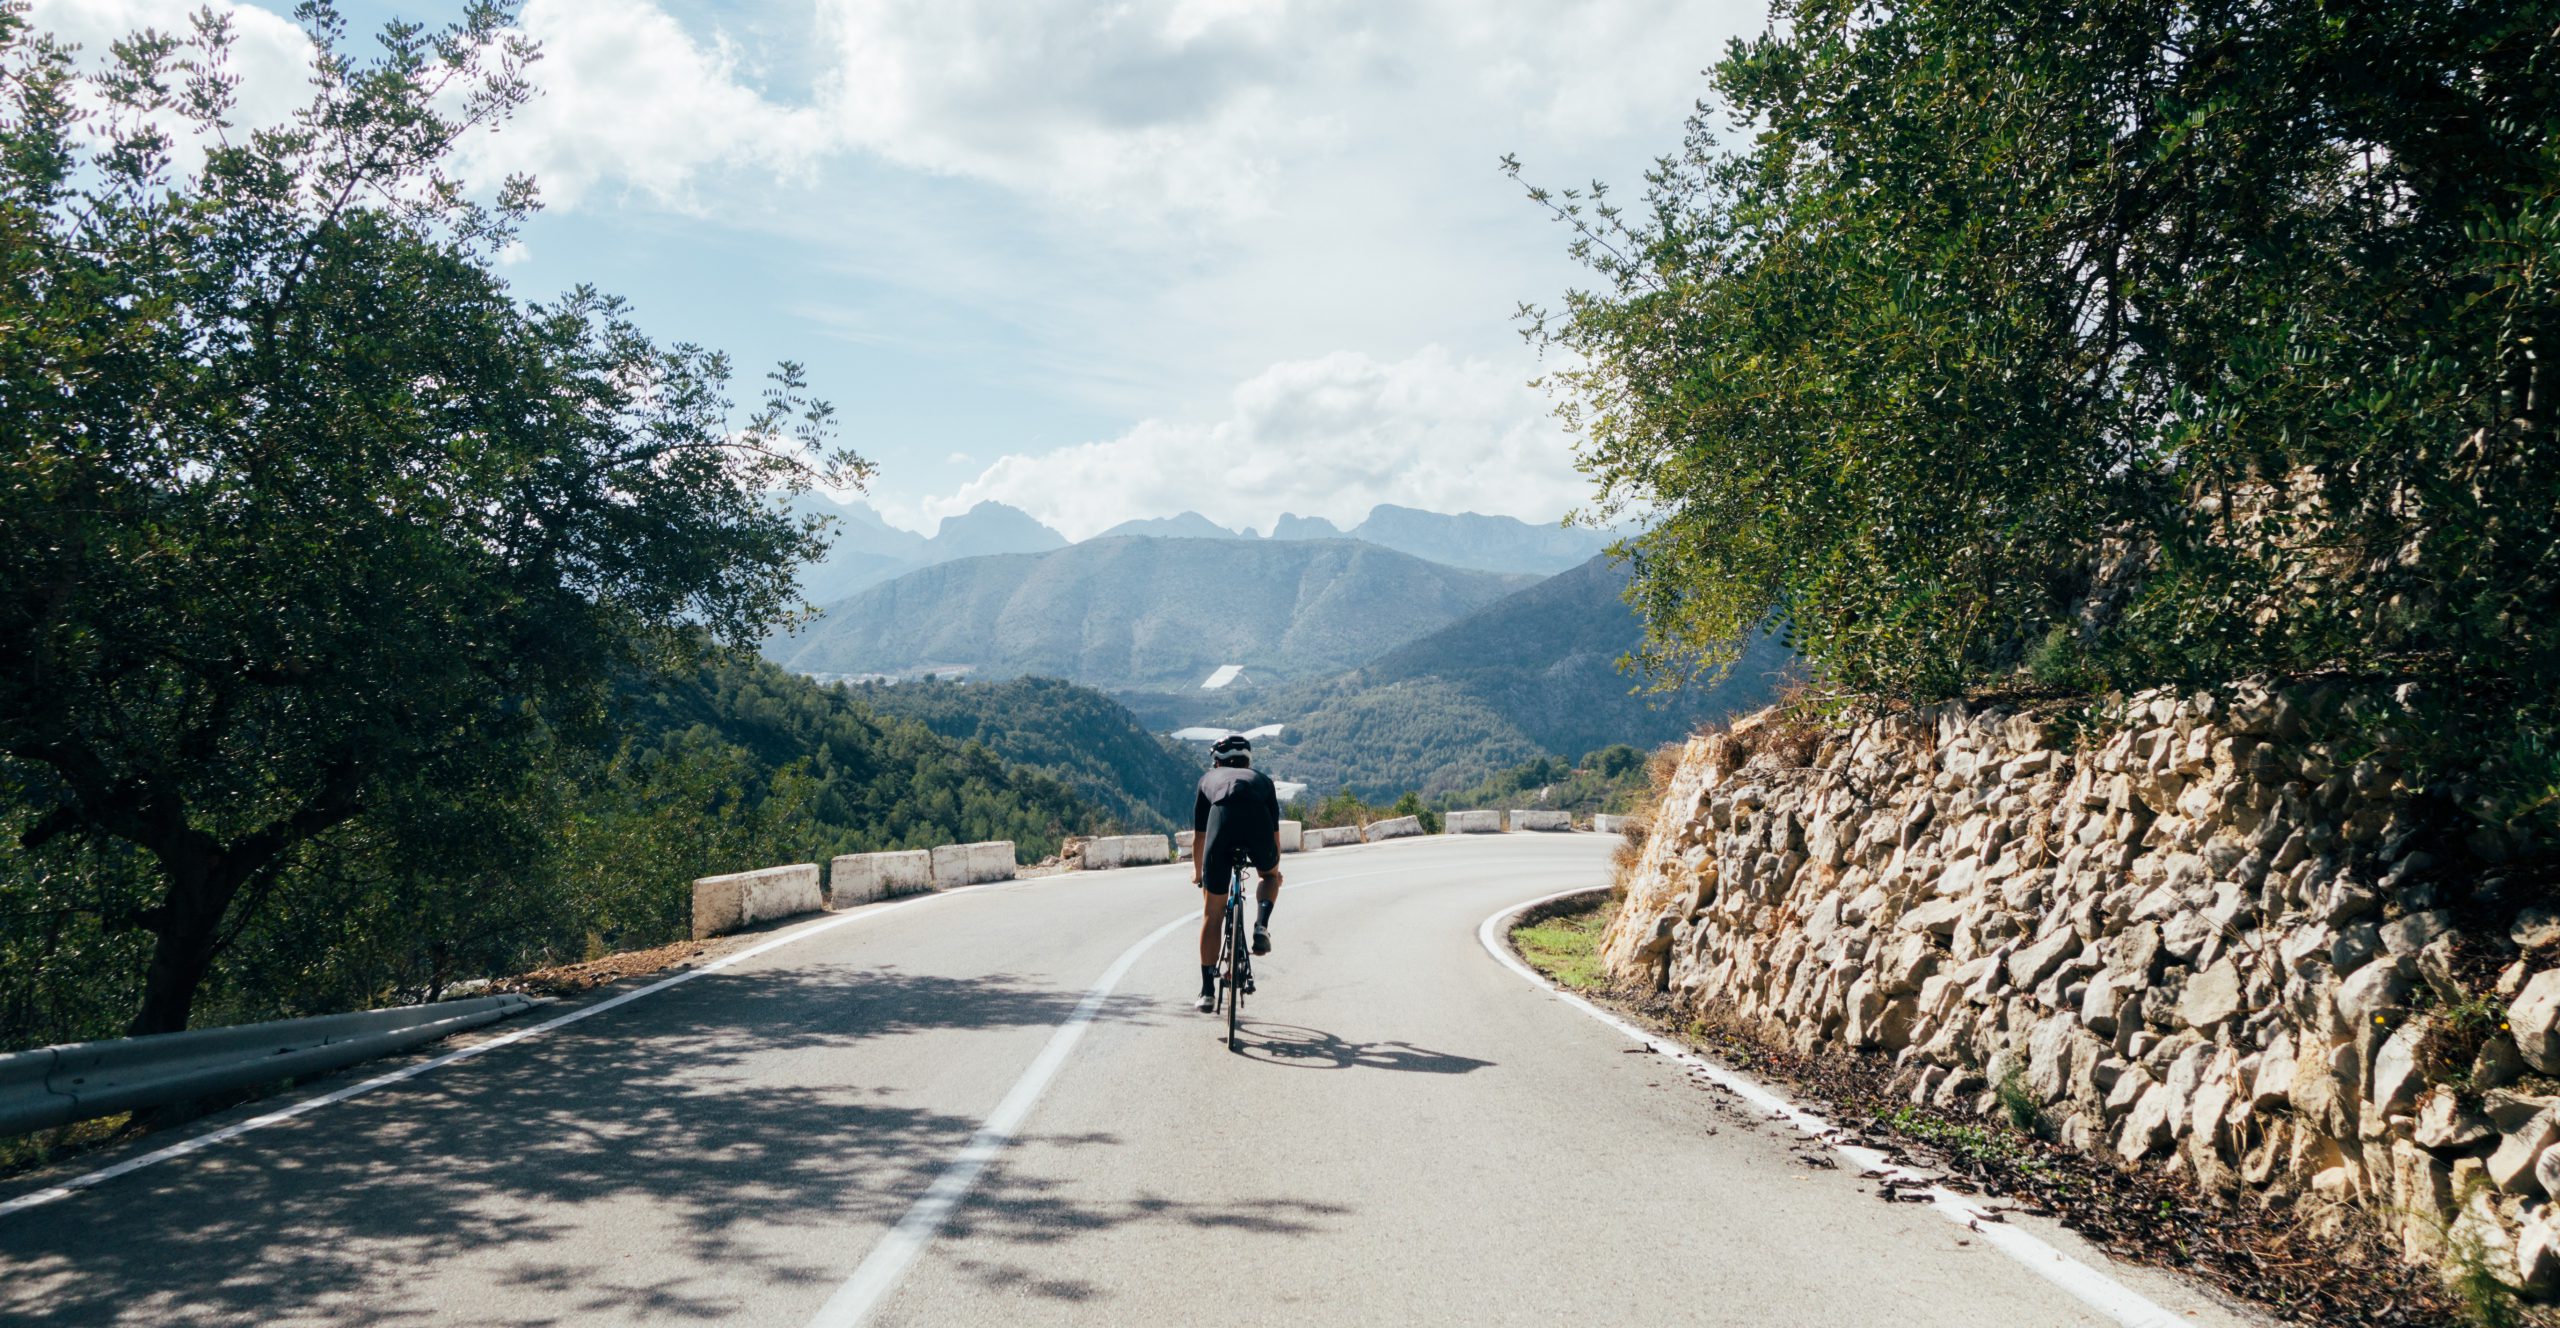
647	1164
1309	1048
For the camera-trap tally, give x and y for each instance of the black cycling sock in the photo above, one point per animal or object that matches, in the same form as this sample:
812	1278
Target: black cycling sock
1208	978
1263	919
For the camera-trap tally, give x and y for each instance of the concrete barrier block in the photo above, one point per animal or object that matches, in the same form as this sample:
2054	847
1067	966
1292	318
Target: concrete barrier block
1292	836
1609	825
724	904
1525	819
1396	827
972	864
859	878
1471	823
1334	837
1126	851
1182	843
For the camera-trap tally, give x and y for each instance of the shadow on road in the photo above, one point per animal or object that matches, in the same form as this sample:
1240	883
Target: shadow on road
1310	1048
719	1122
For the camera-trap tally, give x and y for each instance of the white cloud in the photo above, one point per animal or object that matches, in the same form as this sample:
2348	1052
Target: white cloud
1212	107
629	98
269	53
1327	437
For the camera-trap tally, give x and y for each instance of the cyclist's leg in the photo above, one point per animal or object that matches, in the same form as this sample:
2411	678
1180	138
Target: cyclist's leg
1213	919
1265	895
1213	905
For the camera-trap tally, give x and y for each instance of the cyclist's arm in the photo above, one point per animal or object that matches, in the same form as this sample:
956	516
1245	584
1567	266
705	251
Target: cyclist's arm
1199	832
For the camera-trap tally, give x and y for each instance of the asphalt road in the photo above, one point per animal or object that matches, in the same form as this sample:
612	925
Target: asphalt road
1414	1134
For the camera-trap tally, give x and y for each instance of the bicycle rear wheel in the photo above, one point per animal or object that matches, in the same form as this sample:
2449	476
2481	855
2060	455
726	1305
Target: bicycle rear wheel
1235	971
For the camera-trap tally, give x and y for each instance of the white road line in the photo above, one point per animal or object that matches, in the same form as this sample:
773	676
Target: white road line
37	1198
881	1270
2086	1284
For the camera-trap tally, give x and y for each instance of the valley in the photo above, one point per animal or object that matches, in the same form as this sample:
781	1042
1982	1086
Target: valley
1418	651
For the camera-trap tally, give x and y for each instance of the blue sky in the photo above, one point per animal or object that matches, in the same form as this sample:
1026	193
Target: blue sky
1099	260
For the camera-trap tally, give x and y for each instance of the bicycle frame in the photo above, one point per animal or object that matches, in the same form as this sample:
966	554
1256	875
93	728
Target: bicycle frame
1235	969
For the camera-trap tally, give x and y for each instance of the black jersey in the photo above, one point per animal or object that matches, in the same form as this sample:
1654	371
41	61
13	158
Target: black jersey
1237	807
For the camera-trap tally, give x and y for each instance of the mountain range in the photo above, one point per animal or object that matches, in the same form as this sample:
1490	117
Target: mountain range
865	550
1145	612
1532	674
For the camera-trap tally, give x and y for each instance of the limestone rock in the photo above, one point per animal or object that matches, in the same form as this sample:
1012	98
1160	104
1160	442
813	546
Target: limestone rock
2411	934
2030	966
2538	1252
1938	917
2512	1167
2100	1001
2146	1128
2535	927
2397	1075
2533	1020
2273	1086
2497	1065
2212	997
2377	988
2447	1126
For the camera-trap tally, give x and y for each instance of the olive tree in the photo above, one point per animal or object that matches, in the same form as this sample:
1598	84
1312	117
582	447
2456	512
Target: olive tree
304	516
2124	343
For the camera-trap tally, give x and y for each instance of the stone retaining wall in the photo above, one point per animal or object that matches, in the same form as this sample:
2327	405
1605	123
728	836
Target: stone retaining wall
2225	941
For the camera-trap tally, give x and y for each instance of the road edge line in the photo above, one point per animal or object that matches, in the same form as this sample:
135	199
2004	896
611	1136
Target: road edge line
2084	1282
65	1189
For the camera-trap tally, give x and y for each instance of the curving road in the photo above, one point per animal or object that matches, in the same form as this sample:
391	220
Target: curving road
1416	1135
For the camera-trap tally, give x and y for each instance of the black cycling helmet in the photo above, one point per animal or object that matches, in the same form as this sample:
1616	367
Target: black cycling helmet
1233	749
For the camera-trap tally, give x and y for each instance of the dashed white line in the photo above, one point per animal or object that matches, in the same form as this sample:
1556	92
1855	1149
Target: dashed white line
2084	1283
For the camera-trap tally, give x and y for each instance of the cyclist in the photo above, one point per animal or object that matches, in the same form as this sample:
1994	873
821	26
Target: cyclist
1236	816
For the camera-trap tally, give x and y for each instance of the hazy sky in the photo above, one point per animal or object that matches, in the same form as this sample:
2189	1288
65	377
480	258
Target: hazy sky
1098	260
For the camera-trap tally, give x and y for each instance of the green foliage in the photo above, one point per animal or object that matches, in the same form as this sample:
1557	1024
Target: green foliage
733	766
1071	733
1425	734
2133	343
1608	780
1566	946
1533	674
305	520
1976	1145
2018	1101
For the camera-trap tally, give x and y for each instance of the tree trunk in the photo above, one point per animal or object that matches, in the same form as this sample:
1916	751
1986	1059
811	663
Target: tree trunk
187	929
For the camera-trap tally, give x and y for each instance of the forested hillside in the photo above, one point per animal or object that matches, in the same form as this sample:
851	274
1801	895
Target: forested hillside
733	766
1145	612
1071	733
1532	675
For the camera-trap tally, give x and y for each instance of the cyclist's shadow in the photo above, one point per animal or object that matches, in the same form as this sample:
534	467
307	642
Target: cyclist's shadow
1314	1049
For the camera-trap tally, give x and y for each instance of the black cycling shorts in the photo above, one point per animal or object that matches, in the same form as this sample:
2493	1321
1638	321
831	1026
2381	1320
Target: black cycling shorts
1220	859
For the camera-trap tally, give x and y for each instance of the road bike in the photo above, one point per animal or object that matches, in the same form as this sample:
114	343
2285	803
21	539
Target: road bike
1235	961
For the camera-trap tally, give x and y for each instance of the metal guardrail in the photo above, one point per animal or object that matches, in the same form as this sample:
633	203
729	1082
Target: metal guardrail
52	1086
